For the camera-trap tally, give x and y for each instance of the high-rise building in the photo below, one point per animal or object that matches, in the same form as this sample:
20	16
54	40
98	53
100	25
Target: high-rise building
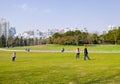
111	27
12	31
4	27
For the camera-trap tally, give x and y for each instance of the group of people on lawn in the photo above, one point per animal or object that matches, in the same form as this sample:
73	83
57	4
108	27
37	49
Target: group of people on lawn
85	53
78	53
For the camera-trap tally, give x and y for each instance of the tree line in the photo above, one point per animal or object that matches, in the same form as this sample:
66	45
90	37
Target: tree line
20	41
76	37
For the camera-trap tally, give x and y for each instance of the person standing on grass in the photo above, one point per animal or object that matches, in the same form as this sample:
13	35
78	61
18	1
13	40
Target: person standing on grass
13	56
62	50
77	53
86	54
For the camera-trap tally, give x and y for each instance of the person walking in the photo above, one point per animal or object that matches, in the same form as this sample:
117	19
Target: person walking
86	54
77	53
13	56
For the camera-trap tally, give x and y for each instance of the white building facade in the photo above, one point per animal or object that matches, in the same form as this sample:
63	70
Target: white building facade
4	27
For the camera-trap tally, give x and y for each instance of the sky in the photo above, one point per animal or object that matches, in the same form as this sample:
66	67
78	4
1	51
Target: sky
94	15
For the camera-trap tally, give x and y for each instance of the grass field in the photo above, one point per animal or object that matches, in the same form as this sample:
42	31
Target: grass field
59	68
69	47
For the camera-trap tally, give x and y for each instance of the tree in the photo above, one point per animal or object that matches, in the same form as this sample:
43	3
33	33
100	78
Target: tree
50	40
3	39
10	41
69	33
0	41
25	42
95	38
77	32
21	41
56	35
16	41
118	35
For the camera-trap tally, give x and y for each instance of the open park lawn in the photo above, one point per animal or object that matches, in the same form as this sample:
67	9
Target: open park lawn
59	68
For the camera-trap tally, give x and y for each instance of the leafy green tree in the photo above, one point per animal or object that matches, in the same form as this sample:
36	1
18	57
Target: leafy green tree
0	41
118	35
112	36
10	41
3	38
56	35
95	38
16	41
77	32
25	42
69	33
50	40
21	41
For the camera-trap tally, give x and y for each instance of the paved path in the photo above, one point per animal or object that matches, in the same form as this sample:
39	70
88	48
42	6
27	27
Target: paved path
90	51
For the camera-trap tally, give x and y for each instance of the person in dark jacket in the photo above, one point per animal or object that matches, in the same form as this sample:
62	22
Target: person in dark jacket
86	54
62	50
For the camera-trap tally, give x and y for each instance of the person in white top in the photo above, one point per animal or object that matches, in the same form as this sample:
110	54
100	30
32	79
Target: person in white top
77	53
13	56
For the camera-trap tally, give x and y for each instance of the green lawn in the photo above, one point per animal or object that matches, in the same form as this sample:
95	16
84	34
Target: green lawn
59	68
91	48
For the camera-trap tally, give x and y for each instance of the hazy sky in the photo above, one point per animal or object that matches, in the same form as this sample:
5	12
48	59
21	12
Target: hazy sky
95	15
